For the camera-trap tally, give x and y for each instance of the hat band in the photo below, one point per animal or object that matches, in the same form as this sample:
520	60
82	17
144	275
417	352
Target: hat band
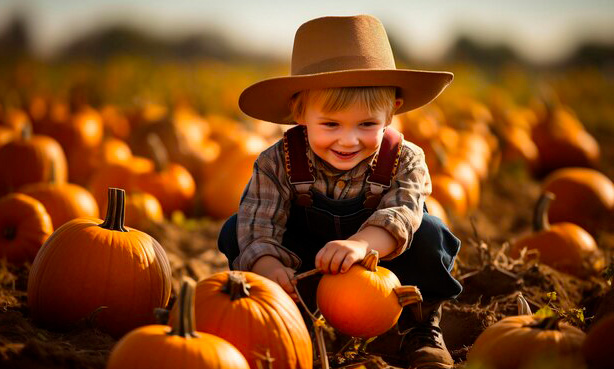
344	63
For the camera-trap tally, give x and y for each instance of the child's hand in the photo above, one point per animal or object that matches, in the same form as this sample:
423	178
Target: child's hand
338	256
273	269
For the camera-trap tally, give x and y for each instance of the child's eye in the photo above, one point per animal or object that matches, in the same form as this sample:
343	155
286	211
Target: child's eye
368	124
330	124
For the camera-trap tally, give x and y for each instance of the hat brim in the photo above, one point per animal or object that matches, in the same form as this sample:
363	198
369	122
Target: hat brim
268	99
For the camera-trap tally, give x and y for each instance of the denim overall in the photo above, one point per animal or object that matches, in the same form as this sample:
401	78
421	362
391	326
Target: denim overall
426	263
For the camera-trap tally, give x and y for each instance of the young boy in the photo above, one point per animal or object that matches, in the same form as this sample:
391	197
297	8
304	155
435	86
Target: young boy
342	183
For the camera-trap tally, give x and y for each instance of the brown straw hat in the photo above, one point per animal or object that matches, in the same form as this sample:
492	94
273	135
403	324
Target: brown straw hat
341	52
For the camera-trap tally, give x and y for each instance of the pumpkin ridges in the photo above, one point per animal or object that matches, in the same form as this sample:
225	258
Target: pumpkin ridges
249	320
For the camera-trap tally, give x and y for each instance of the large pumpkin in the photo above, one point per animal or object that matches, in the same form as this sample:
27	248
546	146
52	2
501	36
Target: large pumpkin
176	347
40	159
516	341
364	301
88	264
564	246
24	226
583	196
255	315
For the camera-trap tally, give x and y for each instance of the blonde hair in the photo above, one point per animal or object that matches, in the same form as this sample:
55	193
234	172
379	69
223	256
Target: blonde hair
337	99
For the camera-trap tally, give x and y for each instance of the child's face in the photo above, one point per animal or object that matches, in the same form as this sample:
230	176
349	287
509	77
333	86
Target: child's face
344	138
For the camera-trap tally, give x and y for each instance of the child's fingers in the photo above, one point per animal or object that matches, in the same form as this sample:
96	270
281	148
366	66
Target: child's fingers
326	264
337	261
349	260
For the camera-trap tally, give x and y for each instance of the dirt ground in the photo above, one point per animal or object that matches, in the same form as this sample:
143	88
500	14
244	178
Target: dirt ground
491	281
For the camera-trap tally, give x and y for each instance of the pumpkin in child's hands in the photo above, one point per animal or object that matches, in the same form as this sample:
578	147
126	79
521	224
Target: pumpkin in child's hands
365	301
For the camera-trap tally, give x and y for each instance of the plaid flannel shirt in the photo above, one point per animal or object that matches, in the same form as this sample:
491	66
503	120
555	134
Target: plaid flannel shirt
265	204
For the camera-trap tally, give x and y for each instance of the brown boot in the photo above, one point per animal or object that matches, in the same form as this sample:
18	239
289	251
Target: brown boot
423	344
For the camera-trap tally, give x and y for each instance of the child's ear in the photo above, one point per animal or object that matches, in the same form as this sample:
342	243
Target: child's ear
398	103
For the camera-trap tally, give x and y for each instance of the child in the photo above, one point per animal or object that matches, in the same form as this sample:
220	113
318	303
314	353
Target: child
342	183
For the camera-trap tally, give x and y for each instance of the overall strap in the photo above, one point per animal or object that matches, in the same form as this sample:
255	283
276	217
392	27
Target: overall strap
300	170
384	167
298	165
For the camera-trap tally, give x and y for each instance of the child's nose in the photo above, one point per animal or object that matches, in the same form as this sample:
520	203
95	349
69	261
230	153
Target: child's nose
348	138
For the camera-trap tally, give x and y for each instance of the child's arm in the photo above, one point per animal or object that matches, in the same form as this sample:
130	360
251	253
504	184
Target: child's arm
273	269
390	228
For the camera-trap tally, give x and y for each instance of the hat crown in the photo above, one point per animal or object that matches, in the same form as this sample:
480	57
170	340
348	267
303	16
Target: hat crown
331	44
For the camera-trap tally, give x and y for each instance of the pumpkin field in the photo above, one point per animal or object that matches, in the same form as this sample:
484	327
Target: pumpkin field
117	175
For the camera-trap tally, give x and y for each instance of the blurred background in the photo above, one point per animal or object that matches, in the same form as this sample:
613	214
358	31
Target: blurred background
177	68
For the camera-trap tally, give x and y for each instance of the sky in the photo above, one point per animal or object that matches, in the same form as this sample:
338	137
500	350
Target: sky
540	30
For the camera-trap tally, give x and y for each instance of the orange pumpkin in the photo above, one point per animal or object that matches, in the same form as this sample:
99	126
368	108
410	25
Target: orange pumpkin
178	347
435	209
365	301
142	209
117	175
450	194
114	150
564	246
88	264
6	135
170	183
516	341
459	169
563	142
255	315
597	348
64	202
583	196
24	226
40	158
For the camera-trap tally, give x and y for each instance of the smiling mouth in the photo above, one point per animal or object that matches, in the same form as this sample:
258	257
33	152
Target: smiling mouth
345	155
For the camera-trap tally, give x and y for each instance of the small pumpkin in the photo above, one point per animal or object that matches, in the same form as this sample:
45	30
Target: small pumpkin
597	348
178	347
117	175
435	209
40	158
563	246
255	315
24	226
169	182
450	194
516	341
583	196
562	142
365	301
88	263
142	209
63	201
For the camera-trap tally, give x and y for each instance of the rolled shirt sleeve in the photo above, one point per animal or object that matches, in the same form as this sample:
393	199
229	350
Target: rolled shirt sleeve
401	207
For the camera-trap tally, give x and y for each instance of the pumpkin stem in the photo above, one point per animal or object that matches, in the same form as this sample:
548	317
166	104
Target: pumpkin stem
523	305
540	214
550	323
9	233
184	322
370	261
26	132
237	286
408	295
158	152
114	220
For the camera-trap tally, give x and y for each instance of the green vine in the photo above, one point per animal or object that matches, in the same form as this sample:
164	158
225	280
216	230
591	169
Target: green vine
553	309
